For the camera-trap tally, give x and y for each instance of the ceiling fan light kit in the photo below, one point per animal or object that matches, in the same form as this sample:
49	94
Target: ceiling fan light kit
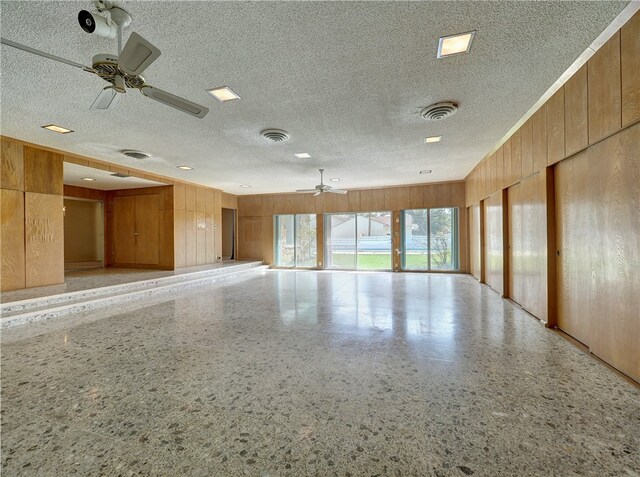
122	71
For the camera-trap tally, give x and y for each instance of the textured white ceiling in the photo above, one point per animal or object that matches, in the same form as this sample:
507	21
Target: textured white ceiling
104	180
346	80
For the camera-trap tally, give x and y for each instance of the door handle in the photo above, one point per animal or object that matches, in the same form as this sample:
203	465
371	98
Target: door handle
135	233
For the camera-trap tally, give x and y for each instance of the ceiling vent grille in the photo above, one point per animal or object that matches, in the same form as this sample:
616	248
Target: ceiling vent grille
439	111
275	135
139	155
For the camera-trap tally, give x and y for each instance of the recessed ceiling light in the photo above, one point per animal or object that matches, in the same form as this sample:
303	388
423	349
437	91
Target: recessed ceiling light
303	155
425	171
244	186
185	168
432	139
335	179
223	94
455	44
88	179
58	129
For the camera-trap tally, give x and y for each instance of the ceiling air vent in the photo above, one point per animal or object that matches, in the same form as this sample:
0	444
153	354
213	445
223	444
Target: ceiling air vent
439	110
275	135
139	155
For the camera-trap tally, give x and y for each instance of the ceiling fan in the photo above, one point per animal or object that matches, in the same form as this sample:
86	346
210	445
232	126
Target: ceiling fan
121	71
322	188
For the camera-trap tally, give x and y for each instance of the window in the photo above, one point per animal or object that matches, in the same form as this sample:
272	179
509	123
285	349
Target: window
358	241
430	239
295	240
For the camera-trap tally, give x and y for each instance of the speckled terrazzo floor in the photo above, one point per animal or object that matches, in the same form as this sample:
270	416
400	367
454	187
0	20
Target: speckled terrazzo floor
313	373
102	277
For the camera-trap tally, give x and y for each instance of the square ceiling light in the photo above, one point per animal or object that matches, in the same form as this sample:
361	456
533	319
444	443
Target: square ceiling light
335	179
303	155
58	129
455	44
431	139
185	168
223	94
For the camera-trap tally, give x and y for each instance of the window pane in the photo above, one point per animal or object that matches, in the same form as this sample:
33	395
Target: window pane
306	250
285	247
340	241
415	236
443	238
374	241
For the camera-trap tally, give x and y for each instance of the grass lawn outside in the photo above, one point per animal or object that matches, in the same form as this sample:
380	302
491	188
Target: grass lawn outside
377	261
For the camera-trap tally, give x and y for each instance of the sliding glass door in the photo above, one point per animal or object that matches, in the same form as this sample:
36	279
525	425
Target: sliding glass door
359	241
295	240
430	239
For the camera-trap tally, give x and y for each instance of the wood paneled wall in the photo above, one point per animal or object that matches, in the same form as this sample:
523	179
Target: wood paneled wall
527	246
140	228
255	212
31	228
198	224
494	242
475	241
598	238
597	101
31	232
573	181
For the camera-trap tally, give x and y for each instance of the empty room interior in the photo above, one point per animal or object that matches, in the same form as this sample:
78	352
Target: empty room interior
309	238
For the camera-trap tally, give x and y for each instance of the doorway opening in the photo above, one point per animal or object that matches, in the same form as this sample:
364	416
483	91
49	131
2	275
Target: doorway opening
228	234
83	234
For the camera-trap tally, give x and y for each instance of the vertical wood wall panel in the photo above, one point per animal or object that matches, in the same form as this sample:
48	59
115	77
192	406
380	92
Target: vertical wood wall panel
494	246
598	212
539	139
475	241
147	229
44	239
515	244
630	65
12	265
516	157
11	165
526	137
123	230
555	127
42	171
605	109
576	124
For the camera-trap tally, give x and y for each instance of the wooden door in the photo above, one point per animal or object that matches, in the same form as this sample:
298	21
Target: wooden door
514	246
147	231
475	240
494	248
597	235
124	228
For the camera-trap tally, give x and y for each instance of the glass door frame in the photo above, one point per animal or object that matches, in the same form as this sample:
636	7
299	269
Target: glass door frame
455	246
327	237
276	249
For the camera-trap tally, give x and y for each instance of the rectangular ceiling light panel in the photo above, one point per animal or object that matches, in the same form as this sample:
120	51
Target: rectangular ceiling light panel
455	44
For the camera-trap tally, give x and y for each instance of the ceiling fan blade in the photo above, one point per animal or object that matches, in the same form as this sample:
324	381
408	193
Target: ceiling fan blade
337	191
44	54
317	193
175	101
137	55
307	191
106	98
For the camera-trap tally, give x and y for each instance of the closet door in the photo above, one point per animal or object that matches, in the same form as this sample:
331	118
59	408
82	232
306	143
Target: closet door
147	247
124	228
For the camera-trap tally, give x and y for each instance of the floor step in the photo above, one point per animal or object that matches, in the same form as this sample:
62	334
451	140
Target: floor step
44	308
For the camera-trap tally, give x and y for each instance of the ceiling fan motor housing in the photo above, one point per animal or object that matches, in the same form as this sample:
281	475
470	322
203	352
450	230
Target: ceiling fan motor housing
106	67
